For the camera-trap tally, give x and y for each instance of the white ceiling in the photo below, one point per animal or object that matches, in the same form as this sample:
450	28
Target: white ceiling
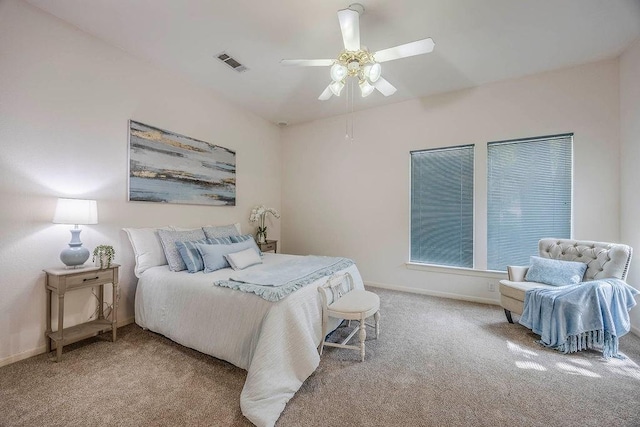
477	41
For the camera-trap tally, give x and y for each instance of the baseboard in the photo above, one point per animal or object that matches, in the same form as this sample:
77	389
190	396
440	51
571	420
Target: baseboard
433	293
43	348
24	355
635	331
125	322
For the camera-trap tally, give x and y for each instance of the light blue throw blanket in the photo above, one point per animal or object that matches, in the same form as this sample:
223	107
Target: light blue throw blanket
588	315
274	282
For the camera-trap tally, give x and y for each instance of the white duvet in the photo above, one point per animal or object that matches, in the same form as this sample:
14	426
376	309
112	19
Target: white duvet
276	342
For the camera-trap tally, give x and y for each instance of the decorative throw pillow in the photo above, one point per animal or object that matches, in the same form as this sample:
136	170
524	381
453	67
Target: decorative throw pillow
147	248
213	255
555	272
221	230
219	240
243	259
190	255
169	239
244	238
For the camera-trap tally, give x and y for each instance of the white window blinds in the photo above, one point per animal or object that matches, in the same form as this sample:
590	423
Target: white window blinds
528	197
442	206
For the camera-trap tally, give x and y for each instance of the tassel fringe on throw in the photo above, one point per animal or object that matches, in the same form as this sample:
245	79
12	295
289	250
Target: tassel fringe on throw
598	339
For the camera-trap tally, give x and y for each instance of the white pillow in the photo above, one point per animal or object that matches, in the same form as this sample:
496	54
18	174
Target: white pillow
243	259
147	248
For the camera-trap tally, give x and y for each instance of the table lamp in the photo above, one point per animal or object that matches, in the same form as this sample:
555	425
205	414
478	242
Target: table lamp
76	212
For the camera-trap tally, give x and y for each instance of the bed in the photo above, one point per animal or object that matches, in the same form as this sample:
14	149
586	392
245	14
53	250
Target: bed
276	342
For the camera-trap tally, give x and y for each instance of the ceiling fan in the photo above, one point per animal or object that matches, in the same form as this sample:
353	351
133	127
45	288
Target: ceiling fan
356	60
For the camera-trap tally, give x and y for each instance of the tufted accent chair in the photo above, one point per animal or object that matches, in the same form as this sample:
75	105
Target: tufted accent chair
604	260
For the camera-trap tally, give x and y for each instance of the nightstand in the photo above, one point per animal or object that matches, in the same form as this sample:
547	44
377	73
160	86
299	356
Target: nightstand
269	245
62	280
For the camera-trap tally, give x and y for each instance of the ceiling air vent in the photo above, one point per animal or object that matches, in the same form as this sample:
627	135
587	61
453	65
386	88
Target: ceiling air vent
231	62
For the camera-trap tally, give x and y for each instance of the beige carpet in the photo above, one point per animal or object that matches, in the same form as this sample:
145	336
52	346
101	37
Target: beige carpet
438	362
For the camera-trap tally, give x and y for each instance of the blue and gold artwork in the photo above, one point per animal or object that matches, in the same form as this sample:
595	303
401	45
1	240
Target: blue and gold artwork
167	167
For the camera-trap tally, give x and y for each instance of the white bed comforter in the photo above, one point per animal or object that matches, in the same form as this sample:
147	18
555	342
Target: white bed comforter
276	342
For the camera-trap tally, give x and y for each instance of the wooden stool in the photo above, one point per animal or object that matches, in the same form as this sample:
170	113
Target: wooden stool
350	304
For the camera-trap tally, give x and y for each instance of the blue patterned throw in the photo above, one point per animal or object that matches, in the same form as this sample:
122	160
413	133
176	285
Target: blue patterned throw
589	315
274	282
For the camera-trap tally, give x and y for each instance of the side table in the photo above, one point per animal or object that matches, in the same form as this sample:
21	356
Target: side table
62	280
269	245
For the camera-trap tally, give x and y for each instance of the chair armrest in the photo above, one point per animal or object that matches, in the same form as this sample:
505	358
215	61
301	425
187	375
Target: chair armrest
517	273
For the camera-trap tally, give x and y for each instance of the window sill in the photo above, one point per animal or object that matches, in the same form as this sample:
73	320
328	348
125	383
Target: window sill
460	271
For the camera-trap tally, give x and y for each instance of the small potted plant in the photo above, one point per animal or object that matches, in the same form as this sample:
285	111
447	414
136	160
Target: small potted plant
103	255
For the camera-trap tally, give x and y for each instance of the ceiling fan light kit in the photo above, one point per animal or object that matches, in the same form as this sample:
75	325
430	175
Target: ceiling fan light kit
336	88
338	72
356	60
366	88
373	72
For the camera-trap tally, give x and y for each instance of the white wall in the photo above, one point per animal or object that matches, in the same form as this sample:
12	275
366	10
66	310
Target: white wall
352	198
65	102
630	161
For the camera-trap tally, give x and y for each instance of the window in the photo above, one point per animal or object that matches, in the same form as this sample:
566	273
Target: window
528	197
442	206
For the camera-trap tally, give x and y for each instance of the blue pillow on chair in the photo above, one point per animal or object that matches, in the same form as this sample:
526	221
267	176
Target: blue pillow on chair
555	272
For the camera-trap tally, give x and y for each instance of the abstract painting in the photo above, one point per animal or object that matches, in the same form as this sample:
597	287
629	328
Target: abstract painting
170	168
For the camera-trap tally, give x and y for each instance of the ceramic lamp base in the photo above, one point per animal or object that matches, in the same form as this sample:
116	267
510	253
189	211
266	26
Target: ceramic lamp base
75	255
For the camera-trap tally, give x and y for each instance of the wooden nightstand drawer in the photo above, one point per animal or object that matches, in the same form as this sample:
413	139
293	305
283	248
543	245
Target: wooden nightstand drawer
266	247
96	276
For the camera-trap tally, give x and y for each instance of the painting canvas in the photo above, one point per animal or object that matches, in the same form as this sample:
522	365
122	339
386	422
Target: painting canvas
170	168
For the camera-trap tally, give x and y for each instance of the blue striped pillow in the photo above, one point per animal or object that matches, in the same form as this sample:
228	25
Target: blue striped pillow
219	240
190	255
244	238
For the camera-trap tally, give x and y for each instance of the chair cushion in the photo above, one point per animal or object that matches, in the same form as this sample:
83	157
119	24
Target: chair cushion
356	301
516	290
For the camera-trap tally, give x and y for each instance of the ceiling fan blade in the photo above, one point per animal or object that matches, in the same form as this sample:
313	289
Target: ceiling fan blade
350	27
326	94
385	87
307	62
405	50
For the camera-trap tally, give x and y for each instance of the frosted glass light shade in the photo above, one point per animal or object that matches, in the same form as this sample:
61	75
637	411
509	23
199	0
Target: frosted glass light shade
366	88
373	72
338	72
336	88
76	211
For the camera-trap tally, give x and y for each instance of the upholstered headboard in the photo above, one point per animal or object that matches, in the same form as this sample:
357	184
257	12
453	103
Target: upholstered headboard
604	260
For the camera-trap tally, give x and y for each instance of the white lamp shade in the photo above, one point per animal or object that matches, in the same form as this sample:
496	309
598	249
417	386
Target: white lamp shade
76	211
338	72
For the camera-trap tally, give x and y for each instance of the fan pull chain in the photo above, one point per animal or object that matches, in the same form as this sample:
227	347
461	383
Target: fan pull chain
352	102
349	111
346	122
